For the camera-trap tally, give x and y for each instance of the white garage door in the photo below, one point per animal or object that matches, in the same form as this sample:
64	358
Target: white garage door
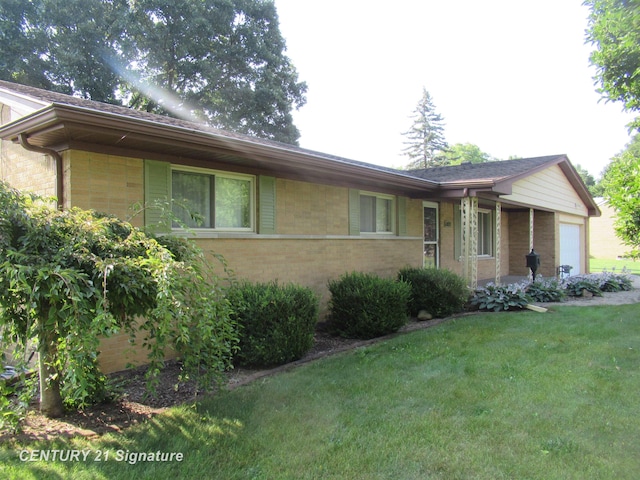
570	247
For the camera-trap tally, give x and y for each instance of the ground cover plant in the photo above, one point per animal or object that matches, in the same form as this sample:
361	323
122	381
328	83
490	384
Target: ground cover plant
516	296
517	395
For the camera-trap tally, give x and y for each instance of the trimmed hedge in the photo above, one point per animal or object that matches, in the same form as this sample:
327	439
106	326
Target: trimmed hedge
439	292
276	322
367	306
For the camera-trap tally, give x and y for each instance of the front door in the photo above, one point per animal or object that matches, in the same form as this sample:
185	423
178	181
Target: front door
431	235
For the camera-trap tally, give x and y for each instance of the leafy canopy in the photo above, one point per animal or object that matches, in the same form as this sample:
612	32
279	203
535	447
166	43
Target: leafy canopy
614	31
621	187
69	277
217	61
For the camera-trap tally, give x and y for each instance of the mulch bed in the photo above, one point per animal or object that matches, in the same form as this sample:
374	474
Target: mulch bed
133	406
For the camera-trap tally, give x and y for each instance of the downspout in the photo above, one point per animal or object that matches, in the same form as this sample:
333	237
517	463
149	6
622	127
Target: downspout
22	137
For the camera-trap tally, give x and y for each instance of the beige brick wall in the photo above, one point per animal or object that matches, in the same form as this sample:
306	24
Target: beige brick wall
313	262
604	243
106	183
27	171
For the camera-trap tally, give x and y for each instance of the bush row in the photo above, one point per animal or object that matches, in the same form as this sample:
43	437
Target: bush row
517	295
277	322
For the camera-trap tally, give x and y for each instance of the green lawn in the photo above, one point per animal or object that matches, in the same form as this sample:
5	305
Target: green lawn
612	265
510	395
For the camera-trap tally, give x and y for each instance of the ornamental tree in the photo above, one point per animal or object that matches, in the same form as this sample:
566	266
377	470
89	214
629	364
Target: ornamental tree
69	277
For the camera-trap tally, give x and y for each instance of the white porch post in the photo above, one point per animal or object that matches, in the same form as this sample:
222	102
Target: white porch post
469	222
498	248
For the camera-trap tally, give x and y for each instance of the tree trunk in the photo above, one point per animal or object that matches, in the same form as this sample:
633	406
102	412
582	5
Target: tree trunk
50	399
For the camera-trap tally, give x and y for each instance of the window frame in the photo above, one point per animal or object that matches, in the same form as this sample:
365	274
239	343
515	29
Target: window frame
213	174
458	234
486	213
392	212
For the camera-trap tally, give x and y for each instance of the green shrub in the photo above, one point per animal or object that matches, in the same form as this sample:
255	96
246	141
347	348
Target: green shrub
439	292
501	297
276	322
546	291
367	306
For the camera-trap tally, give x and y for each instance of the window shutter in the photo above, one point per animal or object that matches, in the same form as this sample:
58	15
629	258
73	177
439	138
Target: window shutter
354	212
267	195
402	216
157	193
457	233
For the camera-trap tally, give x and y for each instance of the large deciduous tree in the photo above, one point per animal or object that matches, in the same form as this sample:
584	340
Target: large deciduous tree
614	31
621	187
425	139
220	61
69	277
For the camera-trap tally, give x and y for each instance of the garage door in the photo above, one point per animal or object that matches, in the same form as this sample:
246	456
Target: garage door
570	247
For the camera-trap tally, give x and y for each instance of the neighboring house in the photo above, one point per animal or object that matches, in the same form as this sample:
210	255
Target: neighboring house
603	241
276	211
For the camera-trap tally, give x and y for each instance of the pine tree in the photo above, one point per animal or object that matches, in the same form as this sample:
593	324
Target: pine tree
426	142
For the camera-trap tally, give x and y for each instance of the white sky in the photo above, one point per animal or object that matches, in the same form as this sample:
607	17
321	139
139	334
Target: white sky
511	76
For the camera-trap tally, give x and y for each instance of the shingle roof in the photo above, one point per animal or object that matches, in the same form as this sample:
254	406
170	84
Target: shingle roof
488	171
48	97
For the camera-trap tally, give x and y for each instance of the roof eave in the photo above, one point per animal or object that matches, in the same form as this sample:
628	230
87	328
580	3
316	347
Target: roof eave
60	116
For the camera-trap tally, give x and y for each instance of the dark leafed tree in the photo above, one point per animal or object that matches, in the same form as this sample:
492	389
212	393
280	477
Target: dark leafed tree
425	139
220	61
614	31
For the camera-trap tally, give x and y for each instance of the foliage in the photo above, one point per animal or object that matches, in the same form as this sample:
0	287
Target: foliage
69	277
440	292
596	284
501	297
219	61
276	322
614	29
546	291
621	185
463	153
425	140
366	306
590	182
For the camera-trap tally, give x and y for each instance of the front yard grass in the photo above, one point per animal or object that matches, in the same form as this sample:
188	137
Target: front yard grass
597	265
491	396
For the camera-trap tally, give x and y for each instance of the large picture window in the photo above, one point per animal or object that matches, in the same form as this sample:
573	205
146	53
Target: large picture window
376	214
212	200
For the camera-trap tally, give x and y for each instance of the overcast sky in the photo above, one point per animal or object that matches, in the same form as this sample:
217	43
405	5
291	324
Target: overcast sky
511	76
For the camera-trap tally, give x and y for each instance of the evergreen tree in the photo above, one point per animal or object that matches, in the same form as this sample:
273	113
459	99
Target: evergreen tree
425	139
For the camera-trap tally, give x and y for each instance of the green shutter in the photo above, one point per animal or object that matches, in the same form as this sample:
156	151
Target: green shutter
267	207
354	212
457	233
402	216
157	195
